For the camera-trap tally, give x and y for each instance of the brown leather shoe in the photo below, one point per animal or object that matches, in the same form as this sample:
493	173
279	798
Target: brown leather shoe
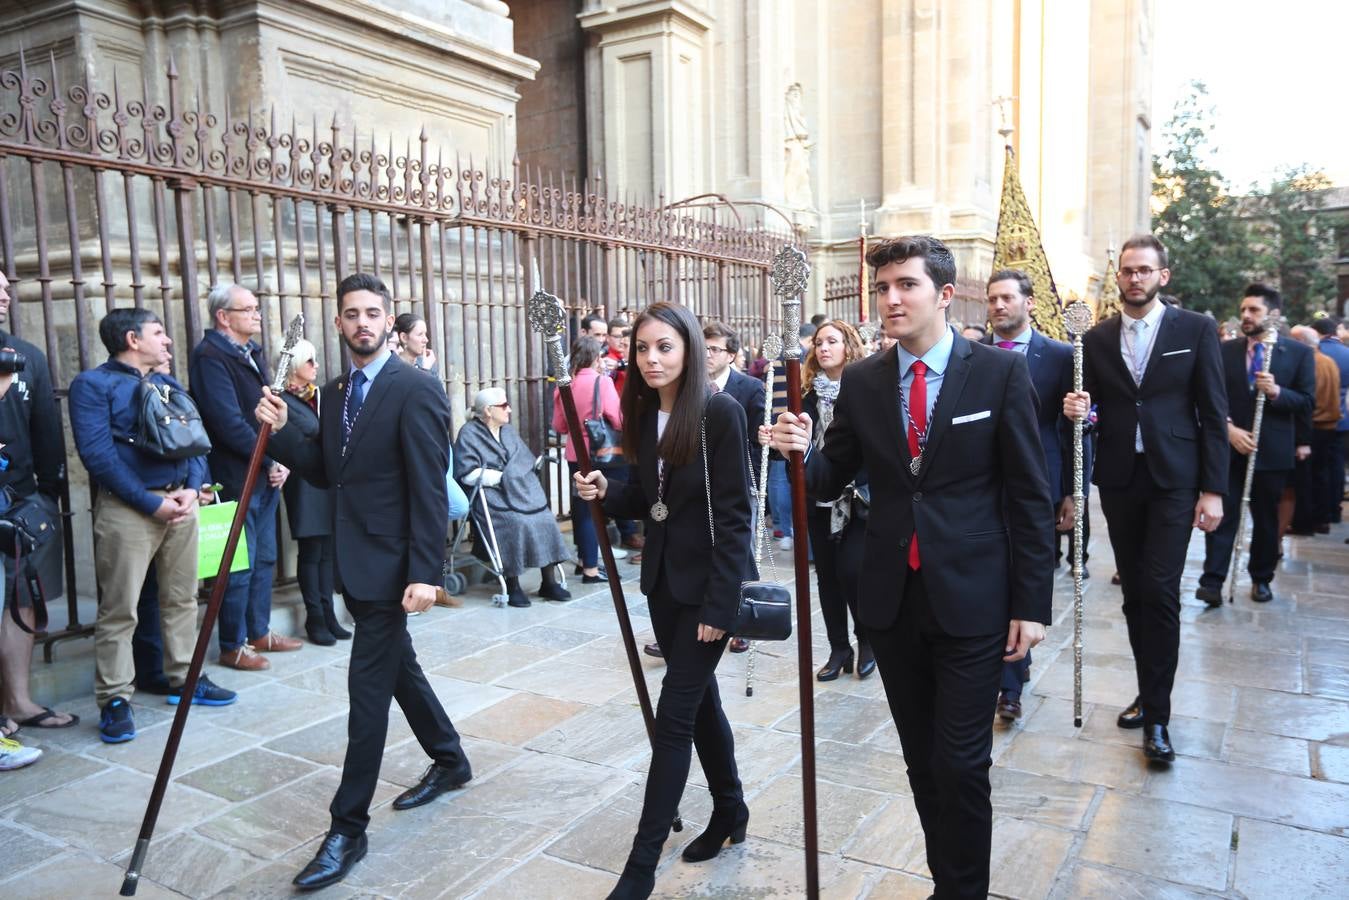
738	645
245	658
634	542
271	642
443	598
1009	708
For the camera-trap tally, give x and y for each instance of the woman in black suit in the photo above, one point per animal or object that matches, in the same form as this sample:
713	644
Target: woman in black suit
309	510
837	527
693	491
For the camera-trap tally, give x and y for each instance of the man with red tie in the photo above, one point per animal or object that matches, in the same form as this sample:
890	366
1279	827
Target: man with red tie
957	568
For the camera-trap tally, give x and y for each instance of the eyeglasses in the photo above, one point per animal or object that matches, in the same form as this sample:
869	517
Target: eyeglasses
712	350
246	310
1142	273
506	405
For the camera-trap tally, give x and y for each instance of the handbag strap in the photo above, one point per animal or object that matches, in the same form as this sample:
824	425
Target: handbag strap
707	480
595	412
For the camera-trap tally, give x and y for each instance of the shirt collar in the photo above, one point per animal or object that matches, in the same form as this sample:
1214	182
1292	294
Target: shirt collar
374	367
1152	318
936	358
721	380
1022	338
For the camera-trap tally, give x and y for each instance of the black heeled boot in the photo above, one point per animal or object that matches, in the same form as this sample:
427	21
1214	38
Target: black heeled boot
316	629
866	660
839	661
636	883
330	618
725	824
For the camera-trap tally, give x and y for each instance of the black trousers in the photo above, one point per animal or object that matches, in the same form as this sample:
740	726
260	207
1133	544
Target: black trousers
838	563
1266	488
688	716
314	571
383	668
1327	482
942	692
1150	531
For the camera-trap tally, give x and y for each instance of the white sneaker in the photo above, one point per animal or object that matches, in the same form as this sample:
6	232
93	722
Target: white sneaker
619	552
14	755
783	543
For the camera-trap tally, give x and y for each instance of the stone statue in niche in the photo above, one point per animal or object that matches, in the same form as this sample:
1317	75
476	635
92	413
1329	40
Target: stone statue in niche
796	146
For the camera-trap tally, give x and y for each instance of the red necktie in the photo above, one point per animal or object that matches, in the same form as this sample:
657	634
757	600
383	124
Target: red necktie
917	425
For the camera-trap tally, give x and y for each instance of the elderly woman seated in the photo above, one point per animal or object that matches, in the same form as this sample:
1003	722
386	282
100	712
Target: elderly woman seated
489	451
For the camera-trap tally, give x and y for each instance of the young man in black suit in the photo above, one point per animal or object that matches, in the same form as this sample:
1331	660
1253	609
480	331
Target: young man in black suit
1289	388
1161	463
957	571
383	446
1009	295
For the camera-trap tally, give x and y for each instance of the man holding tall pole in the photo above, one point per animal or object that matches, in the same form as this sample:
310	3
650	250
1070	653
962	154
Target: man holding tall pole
946	430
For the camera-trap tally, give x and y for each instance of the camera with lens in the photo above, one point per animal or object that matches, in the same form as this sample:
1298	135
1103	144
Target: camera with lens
11	361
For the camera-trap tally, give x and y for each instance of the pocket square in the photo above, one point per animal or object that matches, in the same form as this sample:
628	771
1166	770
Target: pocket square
1176	352
972	417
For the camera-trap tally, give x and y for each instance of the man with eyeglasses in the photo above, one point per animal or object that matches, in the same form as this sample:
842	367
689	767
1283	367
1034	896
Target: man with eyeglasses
1155	373
228	371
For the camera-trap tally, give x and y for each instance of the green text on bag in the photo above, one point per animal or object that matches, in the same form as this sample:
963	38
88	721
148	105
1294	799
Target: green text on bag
213	530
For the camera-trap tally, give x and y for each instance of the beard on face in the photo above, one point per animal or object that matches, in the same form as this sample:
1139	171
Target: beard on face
1148	297
1251	329
368	347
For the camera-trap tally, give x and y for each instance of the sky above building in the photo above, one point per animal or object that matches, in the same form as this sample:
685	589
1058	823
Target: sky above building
1276	74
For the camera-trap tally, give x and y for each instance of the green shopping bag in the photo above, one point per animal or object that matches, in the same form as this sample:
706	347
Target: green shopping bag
213	530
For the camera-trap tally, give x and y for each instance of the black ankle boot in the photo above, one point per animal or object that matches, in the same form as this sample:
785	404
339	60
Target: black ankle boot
839	661
316	628
727	824
636	883
330	619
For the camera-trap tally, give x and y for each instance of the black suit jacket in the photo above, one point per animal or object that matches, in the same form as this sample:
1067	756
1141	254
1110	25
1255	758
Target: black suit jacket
680	549
1051	375
389	495
980	504
227	390
1181	405
1287	415
749	393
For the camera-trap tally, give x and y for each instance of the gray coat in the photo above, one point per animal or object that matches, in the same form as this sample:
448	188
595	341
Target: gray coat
526	531
309	509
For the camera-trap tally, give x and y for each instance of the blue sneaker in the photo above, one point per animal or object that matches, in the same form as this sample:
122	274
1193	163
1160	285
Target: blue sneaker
115	723
208	693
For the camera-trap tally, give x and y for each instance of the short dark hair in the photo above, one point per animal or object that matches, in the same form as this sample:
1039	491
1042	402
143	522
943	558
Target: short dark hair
618	323
364	281
938	262
406	322
112	331
591	320
818	319
1146	242
722	330
1267	294
1022	280
977	327
1326	326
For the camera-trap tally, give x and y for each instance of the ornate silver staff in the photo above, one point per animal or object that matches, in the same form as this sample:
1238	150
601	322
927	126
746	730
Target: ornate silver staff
1269	338
1077	318
548	317
790	274
133	869
772	348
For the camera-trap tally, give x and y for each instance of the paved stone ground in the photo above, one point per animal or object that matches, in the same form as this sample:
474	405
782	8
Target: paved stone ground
1257	805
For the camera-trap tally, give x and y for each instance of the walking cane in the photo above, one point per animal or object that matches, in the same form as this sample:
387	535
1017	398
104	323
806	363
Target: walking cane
1269	338
790	274
772	346
1077	317
133	869
548	316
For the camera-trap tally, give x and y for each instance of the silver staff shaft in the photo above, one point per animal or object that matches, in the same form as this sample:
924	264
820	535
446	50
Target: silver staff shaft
1079	510
1269	339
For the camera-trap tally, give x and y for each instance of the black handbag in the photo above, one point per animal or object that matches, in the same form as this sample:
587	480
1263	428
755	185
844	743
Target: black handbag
27	525
605	441
168	423
764	610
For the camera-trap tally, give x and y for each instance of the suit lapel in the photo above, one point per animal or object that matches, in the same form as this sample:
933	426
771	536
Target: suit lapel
890	412
952	384
1112	332
370	407
1165	329
1035	353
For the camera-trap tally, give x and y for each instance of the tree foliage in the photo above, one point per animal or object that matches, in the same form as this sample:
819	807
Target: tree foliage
1218	241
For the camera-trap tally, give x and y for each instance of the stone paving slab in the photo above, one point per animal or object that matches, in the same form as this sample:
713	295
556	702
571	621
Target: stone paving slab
1256	806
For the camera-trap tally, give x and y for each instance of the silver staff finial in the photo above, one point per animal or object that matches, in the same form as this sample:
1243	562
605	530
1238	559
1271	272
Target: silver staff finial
790	273
548	317
294	332
1077	317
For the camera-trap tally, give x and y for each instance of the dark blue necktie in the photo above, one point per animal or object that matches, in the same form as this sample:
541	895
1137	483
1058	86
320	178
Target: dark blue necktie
1257	362
355	397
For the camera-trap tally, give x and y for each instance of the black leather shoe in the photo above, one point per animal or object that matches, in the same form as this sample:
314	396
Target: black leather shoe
1213	596
1131	717
866	660
723	826
1009	708
839	661
1157	744
653	649
337	854
435	781
737	645
1261	593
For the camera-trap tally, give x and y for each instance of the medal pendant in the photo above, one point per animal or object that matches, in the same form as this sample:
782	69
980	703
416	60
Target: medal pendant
659	511
915	464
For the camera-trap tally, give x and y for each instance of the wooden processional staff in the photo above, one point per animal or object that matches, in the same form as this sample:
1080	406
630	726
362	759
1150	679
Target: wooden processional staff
133	869
790	274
